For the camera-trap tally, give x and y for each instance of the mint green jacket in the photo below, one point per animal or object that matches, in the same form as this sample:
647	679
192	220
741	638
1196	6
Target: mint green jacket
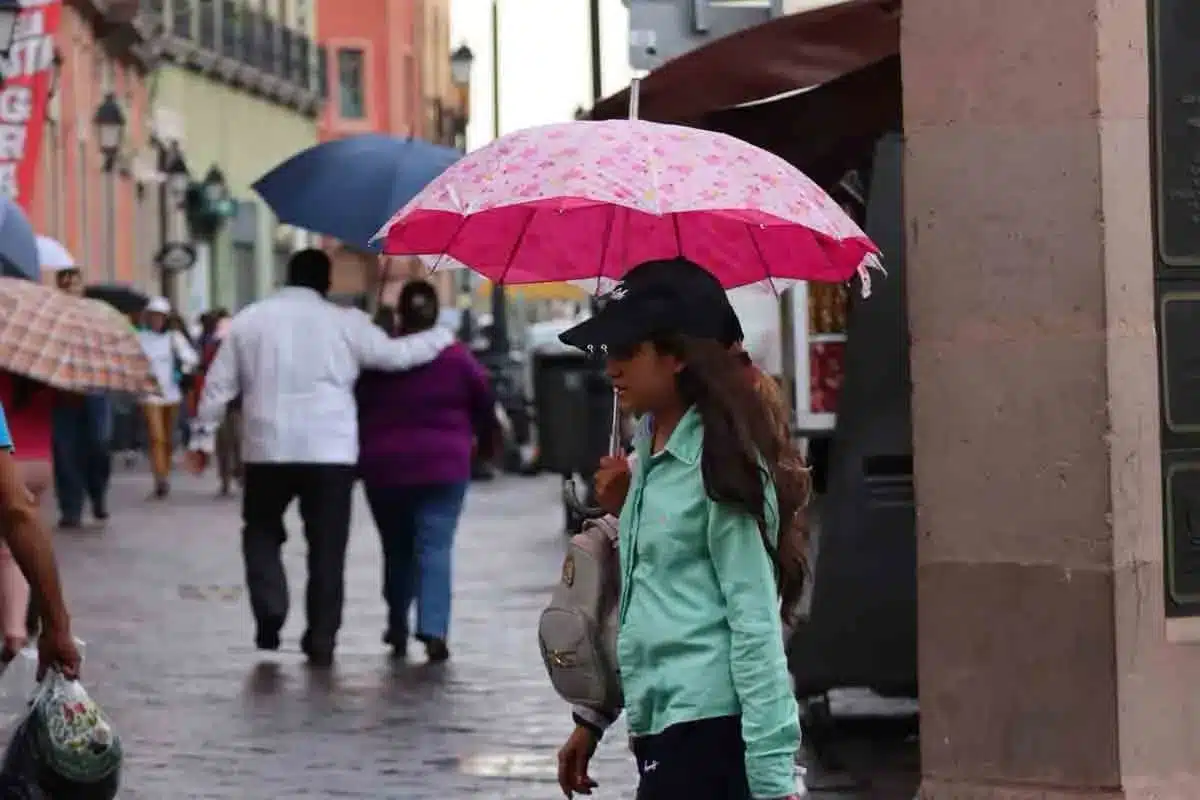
700	634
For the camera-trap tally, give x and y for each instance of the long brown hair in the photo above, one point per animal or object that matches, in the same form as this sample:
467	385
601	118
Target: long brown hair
745	428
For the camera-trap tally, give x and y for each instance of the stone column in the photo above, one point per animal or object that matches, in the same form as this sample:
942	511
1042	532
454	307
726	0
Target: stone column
1044	662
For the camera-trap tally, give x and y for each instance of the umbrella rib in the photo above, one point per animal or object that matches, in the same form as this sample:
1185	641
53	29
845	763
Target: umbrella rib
608	226
512	254
762	260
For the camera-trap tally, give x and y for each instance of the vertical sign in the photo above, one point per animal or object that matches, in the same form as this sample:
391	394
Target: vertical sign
1175	101
28	74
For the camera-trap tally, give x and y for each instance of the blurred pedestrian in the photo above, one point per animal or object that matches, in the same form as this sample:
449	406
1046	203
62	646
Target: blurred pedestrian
213	326
29	542
171	358
81	441
30	408
294	359
707	539
416	467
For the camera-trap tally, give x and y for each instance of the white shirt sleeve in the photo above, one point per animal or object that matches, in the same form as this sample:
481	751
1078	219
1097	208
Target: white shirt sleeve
188	358
374	349
221	385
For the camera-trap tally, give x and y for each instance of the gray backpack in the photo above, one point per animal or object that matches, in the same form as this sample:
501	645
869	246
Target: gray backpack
577	632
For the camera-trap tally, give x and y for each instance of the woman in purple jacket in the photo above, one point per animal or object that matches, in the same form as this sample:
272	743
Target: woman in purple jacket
418	431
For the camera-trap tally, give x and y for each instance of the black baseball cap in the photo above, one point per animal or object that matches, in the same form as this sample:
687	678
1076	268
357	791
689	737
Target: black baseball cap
657	297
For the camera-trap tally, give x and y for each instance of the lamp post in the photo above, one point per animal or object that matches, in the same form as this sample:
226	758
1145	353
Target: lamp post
109	121
461	62
499	343
10	12
172	192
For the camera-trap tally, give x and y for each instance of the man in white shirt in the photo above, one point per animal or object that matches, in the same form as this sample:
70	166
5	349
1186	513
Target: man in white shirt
294	359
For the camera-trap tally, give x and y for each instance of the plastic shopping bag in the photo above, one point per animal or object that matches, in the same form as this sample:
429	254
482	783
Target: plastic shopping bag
64	747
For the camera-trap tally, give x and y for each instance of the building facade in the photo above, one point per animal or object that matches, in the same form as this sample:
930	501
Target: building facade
85	200
389	72
236	92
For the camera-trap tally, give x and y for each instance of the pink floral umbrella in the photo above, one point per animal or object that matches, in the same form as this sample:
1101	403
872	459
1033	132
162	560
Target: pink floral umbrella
589	200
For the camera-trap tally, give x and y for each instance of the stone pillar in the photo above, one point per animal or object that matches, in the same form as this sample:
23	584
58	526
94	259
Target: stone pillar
1044	663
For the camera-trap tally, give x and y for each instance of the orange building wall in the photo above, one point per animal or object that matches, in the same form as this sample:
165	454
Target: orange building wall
387	31
69	202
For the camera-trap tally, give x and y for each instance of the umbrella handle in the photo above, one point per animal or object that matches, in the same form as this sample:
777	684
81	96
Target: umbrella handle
614	434
635	92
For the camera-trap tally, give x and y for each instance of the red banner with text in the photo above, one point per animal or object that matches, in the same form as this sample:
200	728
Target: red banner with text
28	77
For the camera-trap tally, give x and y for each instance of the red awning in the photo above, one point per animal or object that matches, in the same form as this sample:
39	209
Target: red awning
783	55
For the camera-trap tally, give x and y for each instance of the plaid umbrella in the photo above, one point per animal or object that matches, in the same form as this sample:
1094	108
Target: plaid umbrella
68	342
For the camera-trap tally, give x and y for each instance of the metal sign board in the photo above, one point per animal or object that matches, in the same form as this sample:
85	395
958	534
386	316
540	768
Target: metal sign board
1177	130
1182	546
1179	348
175	257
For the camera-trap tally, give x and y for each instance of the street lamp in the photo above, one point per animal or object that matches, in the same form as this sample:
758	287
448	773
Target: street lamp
461	61
175	172
216	191
110	129
10	11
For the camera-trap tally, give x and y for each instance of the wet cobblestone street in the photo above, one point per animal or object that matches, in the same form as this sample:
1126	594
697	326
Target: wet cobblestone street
158	597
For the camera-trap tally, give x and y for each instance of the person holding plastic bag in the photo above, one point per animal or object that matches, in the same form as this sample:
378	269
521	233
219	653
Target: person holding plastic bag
31	547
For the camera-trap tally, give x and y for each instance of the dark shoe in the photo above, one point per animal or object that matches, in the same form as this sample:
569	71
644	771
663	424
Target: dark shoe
398	641
318	657
161	489
100	513
267	637
435	649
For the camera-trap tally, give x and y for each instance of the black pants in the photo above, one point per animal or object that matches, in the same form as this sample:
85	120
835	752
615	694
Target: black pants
702	760
325	492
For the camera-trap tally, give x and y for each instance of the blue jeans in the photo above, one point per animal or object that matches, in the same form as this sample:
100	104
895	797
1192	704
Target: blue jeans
82	463
416	526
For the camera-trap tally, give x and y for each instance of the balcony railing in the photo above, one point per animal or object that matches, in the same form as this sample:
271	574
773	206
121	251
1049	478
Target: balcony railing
287	53
236	30
269	44
207	29
302	61
232	29
181	19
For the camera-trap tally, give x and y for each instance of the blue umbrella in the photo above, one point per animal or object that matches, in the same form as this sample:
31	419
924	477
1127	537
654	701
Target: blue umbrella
18	243
348	188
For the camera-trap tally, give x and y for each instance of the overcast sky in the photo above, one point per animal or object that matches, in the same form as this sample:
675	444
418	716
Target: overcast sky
545	59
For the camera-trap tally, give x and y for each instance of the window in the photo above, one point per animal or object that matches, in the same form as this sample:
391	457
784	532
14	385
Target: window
245	265
351	100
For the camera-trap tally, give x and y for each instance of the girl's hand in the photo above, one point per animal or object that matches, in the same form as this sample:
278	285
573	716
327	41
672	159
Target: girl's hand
612	483
573	760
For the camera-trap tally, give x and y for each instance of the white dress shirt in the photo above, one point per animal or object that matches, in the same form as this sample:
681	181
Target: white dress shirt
294	359
166	350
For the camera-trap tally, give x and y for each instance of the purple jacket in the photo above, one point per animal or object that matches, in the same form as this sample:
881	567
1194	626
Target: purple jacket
419	427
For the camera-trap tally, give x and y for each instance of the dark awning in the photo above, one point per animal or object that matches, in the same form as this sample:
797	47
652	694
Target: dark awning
825	131
783	55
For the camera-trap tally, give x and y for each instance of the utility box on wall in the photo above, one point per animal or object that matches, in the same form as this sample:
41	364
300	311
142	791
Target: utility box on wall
660	30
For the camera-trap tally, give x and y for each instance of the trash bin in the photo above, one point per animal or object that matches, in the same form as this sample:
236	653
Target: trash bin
572	400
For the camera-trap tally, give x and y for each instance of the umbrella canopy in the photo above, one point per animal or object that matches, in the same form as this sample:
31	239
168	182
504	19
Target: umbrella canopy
347	188
69	342
123	298
18	243
590	200
53	256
